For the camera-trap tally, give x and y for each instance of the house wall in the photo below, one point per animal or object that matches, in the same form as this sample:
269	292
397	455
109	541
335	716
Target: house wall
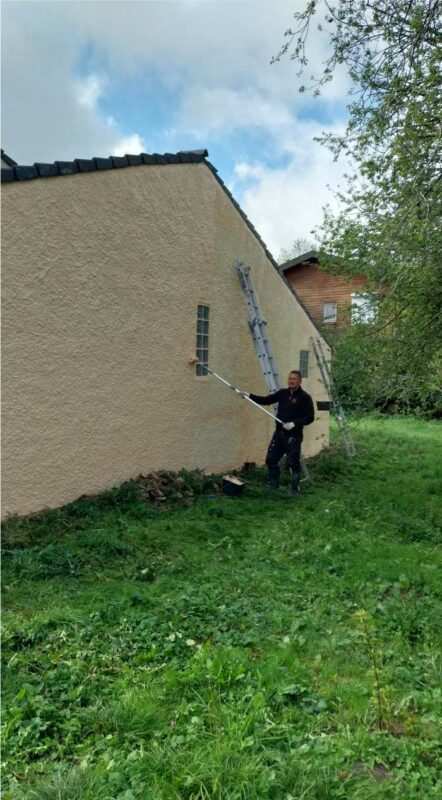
316	287
102	275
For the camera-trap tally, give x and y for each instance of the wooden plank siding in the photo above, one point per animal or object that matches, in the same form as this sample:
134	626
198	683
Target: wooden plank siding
316	287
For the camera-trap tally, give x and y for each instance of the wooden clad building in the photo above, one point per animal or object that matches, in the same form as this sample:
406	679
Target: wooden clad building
327	297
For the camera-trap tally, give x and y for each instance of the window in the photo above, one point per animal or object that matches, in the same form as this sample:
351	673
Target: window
303	363
329	312
202	339
363	308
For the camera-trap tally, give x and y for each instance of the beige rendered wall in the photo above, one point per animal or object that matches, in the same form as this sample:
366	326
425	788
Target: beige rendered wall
102	274
289	328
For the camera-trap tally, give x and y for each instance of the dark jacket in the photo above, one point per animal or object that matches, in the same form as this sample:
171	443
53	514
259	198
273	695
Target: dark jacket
293	406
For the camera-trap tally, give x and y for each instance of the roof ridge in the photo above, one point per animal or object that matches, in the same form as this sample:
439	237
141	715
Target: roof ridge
293	262
57	168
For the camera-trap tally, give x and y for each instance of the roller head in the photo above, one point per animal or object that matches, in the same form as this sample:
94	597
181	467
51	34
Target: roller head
193	360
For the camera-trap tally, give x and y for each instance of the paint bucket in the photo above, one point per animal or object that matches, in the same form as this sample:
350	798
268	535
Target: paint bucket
232	486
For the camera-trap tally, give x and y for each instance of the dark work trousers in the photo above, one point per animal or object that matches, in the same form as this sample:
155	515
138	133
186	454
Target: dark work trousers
284	444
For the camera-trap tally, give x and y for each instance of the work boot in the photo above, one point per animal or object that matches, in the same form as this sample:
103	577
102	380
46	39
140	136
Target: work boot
294	484
273	479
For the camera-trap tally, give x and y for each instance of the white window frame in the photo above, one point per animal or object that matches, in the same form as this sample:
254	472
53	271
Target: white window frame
329	318
304	354
202	339
363	308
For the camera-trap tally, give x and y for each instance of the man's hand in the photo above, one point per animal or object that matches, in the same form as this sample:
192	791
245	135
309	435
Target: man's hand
288	426
244	395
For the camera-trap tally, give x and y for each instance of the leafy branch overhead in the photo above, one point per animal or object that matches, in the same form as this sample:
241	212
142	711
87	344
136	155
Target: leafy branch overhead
389	224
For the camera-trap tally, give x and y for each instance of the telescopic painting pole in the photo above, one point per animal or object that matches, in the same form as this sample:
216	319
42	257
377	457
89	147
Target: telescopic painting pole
230	385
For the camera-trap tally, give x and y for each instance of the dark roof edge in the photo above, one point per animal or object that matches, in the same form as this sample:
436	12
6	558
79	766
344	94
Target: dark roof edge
311	255
60	168
242	213
8	159
265	248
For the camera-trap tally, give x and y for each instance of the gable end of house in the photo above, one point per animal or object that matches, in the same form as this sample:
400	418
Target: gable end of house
16	172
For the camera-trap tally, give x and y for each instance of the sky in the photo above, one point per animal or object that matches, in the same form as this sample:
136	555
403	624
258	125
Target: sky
85	78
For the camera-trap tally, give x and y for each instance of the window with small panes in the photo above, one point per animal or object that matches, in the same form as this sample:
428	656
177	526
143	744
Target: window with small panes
202	340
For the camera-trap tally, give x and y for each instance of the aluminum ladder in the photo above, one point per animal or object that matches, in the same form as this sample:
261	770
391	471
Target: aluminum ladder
336	408
261	340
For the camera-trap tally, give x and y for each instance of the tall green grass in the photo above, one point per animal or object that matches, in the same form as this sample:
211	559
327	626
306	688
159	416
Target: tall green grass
262	647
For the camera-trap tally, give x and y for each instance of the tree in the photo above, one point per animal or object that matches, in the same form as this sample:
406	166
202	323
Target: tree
389	224
297	248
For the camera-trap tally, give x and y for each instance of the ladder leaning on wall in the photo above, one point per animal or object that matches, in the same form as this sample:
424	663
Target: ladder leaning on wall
337	410
261	339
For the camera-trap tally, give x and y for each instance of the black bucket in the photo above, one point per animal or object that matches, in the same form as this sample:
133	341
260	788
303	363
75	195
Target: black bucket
232	486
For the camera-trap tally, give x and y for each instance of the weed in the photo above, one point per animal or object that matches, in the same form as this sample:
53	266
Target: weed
69	784
26	564
365	626
105	542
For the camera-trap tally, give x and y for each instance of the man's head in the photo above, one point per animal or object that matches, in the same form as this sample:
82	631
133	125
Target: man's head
295	379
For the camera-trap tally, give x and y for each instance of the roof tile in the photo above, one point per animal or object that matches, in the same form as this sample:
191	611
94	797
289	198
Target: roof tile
86	164
67	167
120	161
46	170
25	173
104	163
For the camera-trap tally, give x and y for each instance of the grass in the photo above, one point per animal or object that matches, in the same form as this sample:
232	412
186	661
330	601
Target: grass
251	648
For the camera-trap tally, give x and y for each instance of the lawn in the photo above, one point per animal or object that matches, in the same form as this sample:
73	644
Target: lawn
260	647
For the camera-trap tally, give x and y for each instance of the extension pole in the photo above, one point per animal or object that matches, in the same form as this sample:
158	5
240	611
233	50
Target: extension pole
238	391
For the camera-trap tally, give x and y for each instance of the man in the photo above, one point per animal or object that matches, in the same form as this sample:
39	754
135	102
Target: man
295	409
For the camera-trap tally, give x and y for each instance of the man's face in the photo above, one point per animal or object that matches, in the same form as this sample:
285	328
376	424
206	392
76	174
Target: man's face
294	380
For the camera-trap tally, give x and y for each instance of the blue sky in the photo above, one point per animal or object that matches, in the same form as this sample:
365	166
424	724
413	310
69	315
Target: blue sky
83	79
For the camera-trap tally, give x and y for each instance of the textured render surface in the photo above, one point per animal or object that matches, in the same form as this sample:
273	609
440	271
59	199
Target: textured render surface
289	328
102	274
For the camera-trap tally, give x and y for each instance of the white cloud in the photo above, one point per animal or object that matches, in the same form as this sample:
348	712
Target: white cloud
128	144
286	203
212	56
209	111
245	171
89	90
47	112
214	42
215	54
